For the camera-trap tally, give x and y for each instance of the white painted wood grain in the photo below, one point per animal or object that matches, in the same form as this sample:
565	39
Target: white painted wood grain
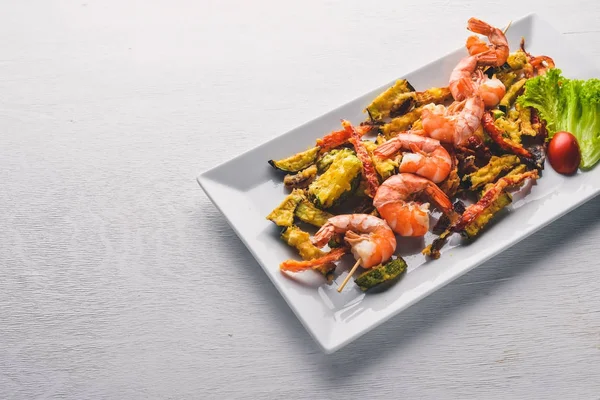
118	277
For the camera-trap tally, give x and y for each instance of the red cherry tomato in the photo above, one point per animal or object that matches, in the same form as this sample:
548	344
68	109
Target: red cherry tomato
563	153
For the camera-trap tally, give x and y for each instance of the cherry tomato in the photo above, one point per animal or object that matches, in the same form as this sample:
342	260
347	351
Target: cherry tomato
563	153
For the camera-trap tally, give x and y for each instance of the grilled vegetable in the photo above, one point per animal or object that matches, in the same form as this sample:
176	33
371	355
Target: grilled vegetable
300	240
397	98
436	95
327	159
525	120
497	114
283	214
307	212
491	172
517	60
519	169
475	227
489	202
511	95
336	241
383	273
385	167
302	179
451	184
400	124
340	179
434	249
499	138
297	162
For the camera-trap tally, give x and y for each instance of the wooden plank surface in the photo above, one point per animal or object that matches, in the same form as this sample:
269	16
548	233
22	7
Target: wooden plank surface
118	277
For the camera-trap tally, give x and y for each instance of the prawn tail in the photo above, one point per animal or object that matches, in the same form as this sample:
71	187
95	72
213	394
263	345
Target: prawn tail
478	26
476	46
440	198
323	235
298	266
388	148
465	87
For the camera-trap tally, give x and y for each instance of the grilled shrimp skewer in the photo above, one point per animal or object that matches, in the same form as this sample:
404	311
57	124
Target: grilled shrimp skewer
394	202
370	238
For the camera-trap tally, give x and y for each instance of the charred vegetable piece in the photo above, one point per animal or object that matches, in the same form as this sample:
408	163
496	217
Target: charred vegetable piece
300	240
517	60
283	214
400	124
368	169
519	169
510	129
302	179
308	213
326	160
385	167
490	172
383	273
417	125
451	184
336	241
497	136
365	206
497	114
507	78
444	222
340	179
436	95
475	227
361	188
511	95
475	210
397	97
297	162
525	121
434	249
338	138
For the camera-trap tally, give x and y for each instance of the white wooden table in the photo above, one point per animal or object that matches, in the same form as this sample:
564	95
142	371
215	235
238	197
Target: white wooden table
120	280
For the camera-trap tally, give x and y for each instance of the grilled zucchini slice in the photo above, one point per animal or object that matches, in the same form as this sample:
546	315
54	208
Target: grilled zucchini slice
297	162
326	159
300	240
490	172
301	179
400	124
385	167
283	214
383	273
340	179
436	95
474	228
307	212
397	98
511	95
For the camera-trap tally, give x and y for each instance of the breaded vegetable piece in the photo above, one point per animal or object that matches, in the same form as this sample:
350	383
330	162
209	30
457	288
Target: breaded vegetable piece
283	214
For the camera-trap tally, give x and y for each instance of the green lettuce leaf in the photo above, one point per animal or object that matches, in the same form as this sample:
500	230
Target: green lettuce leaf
568	105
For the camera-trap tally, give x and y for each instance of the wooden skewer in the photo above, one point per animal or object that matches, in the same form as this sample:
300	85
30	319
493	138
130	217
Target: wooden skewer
507	26
352	271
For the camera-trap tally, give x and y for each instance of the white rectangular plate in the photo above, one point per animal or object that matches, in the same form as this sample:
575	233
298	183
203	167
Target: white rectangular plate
246	189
